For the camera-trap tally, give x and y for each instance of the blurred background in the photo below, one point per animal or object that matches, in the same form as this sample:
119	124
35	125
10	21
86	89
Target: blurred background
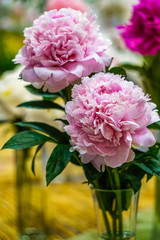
15	15
64	209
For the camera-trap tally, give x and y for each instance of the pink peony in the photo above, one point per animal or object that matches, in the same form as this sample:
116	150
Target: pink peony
142	34
61	47
107	116
74	4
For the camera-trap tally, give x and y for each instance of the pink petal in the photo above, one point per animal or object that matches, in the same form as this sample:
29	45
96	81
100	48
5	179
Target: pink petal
86	158
28	74
98	162
45	73
144	137
75	68
54	86
107	131
131	156
120	157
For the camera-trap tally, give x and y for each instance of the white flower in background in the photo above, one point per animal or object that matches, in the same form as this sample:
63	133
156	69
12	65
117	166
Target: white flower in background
111	13
13	93
114	12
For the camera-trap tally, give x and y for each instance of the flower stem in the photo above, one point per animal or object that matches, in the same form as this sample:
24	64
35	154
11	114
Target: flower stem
69	93
112	186
119	202
106	221
110	177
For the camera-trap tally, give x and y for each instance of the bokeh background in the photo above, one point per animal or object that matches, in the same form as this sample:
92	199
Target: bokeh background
65	208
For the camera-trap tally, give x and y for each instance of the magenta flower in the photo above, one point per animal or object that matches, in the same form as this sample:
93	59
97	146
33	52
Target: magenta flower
142	34
108	116
61	47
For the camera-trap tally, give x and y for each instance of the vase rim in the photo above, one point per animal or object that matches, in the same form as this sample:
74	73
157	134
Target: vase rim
112	190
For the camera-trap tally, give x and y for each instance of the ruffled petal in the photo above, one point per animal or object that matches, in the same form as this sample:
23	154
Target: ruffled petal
120	157
144	137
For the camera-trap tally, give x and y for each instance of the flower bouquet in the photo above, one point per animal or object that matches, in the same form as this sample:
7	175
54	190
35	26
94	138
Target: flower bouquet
106	118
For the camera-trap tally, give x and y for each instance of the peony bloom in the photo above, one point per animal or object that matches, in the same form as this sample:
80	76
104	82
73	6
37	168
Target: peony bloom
61	47
58	4
107	116
142	34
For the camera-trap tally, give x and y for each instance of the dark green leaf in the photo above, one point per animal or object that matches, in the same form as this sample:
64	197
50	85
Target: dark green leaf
126	199
67	93
106	200
26	139
34	157
145	156
119	71
75	159
134	181
149	176
40	92
57	135
44	104
91	172
58	160
152	166
154	150
62	120
155	125
133	175
133	67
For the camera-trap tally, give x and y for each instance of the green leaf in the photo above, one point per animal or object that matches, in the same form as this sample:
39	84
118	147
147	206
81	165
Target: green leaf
133	175
61	120
57	135
126	200
34	157
135	181
149	176
91	172
57	161
152	166
155	125
42	104
132	67
119	71
40	92
145	156
154	150
75	159
26	139
67	93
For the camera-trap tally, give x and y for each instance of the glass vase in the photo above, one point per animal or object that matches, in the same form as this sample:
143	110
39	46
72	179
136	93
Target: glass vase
116	213
30	198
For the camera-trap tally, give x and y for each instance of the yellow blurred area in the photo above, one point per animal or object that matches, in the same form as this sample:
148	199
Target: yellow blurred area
68	202
68	206
10	44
